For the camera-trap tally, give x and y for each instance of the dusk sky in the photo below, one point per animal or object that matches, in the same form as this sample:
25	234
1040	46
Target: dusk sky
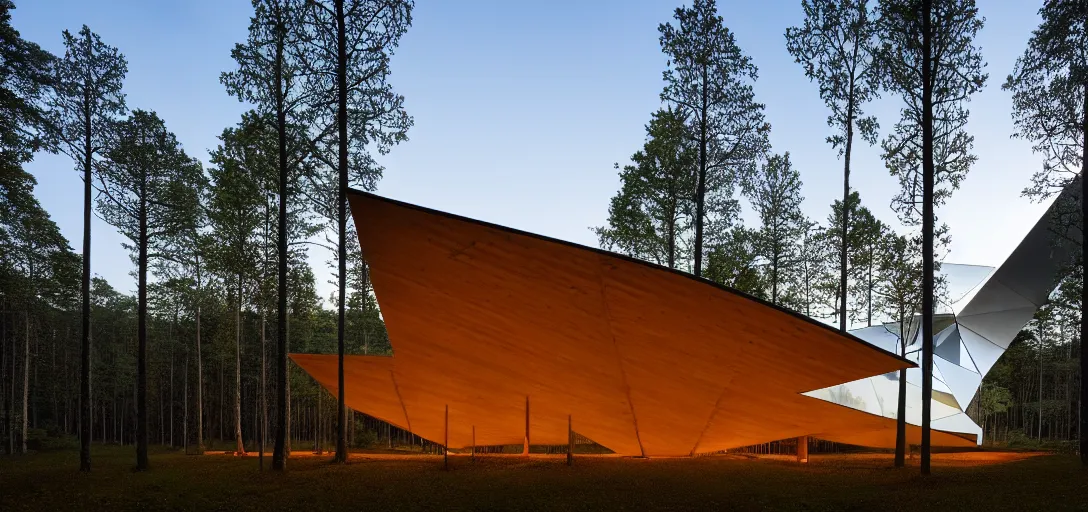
521	109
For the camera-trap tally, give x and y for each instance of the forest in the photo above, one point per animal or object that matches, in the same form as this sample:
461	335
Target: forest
196	359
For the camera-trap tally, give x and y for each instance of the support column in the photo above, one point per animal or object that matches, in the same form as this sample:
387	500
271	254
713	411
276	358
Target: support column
570	442
474	443
446	442
802	449
525	445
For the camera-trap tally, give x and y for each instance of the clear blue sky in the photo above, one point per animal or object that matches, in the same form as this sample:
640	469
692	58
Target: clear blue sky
521	108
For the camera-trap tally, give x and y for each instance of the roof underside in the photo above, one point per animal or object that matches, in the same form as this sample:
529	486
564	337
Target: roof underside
646	360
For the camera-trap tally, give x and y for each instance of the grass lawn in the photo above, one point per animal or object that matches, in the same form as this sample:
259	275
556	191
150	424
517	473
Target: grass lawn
968	481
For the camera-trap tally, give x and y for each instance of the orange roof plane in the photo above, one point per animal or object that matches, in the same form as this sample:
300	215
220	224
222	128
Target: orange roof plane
647	360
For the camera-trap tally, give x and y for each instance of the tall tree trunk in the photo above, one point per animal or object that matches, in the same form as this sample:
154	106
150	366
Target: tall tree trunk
222	400
279	456
287	385
927	229
342	205
869	289
1040	382
901	403
141	357
264	394
774	276
239	448
85	404
1082	432
4	378
199	367
845	227
26	376
185	403
173	424
700	192
671	233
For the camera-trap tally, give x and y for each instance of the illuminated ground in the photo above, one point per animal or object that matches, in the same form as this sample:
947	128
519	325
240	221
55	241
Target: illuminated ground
967	481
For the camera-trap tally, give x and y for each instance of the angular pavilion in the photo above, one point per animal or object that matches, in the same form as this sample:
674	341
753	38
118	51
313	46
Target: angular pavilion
516	332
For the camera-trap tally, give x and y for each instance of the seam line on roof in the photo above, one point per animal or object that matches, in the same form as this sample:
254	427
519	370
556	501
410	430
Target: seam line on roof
714	411
401	400
619	357
984	338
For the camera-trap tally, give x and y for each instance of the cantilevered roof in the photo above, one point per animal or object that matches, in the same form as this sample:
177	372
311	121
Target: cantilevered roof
645	359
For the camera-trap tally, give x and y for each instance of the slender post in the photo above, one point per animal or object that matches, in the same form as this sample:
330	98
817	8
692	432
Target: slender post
525	445
474	443
802	449
446	442
570	442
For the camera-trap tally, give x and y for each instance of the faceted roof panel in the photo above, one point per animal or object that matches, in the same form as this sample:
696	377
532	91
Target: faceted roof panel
646	360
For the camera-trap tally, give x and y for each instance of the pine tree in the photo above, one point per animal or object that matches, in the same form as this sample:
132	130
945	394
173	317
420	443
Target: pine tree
650	216
347	62
244	164
709	82
269	75
86	102
25	80
1049	87
927	56
775	194
899	295
836	46
145	181
735	262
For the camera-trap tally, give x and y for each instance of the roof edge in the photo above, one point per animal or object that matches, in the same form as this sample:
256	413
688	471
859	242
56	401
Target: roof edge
846	335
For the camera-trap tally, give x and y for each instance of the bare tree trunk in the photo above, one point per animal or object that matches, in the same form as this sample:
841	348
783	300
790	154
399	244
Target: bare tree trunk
141	355
342	206
279	455
700	192
239	448
85	292
264	393
222	401
172	395
185	402
1040	432
199	367
287	390
1083	422
4	380
26	377
927	230
845	227
901	404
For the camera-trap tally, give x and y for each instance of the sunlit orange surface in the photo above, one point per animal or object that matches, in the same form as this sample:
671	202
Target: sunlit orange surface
646	361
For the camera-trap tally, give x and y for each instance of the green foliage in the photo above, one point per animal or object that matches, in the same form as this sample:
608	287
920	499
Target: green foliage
87	96
377	119
735	263
775	194
956	73
865	241
1049	85
836	44
149	185
709	82
24	82
650	217
815	285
